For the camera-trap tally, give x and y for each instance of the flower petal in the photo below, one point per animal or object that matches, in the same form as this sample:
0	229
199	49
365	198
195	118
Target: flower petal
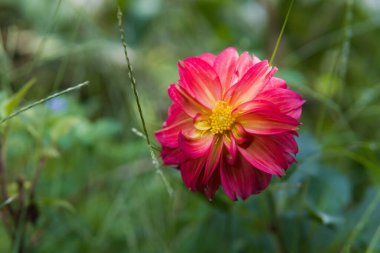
242	179
200	80
265	154
187	103
251	84
265	118
212	185
213	158
168	136
208	57
195	147
172	156
191	171
243	64
230	144
288	101
225	65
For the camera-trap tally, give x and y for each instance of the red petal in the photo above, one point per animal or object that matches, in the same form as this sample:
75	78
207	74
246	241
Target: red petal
266	154
195	147
191	171
168	136
265	118
242	179
230	144
187	103
251	84
288	101
243	65
213	158
200	80
172	156
225	65
212	185
208	57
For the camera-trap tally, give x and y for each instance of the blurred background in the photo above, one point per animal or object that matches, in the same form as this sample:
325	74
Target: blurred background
98	190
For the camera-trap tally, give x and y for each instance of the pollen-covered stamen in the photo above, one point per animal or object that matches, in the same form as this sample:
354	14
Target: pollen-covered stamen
221	118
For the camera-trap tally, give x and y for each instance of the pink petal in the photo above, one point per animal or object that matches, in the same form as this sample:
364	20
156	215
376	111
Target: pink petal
200	80
191	170
242	179
212	185
251	84
225	65
187	103
172	156
208	57
266	154
175	113
168	136
230	144
213	158
242	137
195	147
289	146
288	101
243	65
264	118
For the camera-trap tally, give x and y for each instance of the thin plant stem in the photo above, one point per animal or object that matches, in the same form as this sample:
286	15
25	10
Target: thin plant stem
41	101
130	74
155	161
363	220
375	239
275	223
280	35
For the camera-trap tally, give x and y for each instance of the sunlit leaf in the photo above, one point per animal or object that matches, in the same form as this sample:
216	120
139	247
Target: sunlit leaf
14	101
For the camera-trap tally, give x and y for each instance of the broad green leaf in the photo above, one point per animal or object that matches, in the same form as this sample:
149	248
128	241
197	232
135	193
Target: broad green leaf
14	101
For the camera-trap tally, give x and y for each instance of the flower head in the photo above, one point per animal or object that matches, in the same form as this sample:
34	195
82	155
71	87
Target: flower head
232	123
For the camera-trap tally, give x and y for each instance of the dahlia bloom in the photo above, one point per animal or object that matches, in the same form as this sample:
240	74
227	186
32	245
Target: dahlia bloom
231	123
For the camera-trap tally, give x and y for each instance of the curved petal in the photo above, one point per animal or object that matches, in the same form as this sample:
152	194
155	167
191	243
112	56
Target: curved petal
288	101
251	84
208	57
212	185
242	179
225	65
168	136
187	103
243	64
289	146
265	118
191	170
213	158
230	144
172	156
266	154
195	147
200	80
242	137
175	114
276	83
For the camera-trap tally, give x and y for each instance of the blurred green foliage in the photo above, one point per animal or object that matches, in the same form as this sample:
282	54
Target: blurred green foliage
98	190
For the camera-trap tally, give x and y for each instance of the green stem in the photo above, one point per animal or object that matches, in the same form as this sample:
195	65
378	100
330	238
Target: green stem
275	223
155	162
281	32
130	73
41	101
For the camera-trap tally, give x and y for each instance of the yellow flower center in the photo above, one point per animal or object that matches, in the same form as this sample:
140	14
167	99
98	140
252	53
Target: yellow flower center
221	118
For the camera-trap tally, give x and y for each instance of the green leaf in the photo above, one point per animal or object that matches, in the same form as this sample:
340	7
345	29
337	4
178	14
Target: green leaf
5	203
14	101
56	202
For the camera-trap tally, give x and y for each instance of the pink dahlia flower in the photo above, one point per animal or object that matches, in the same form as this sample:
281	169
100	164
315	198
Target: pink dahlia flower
231	123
